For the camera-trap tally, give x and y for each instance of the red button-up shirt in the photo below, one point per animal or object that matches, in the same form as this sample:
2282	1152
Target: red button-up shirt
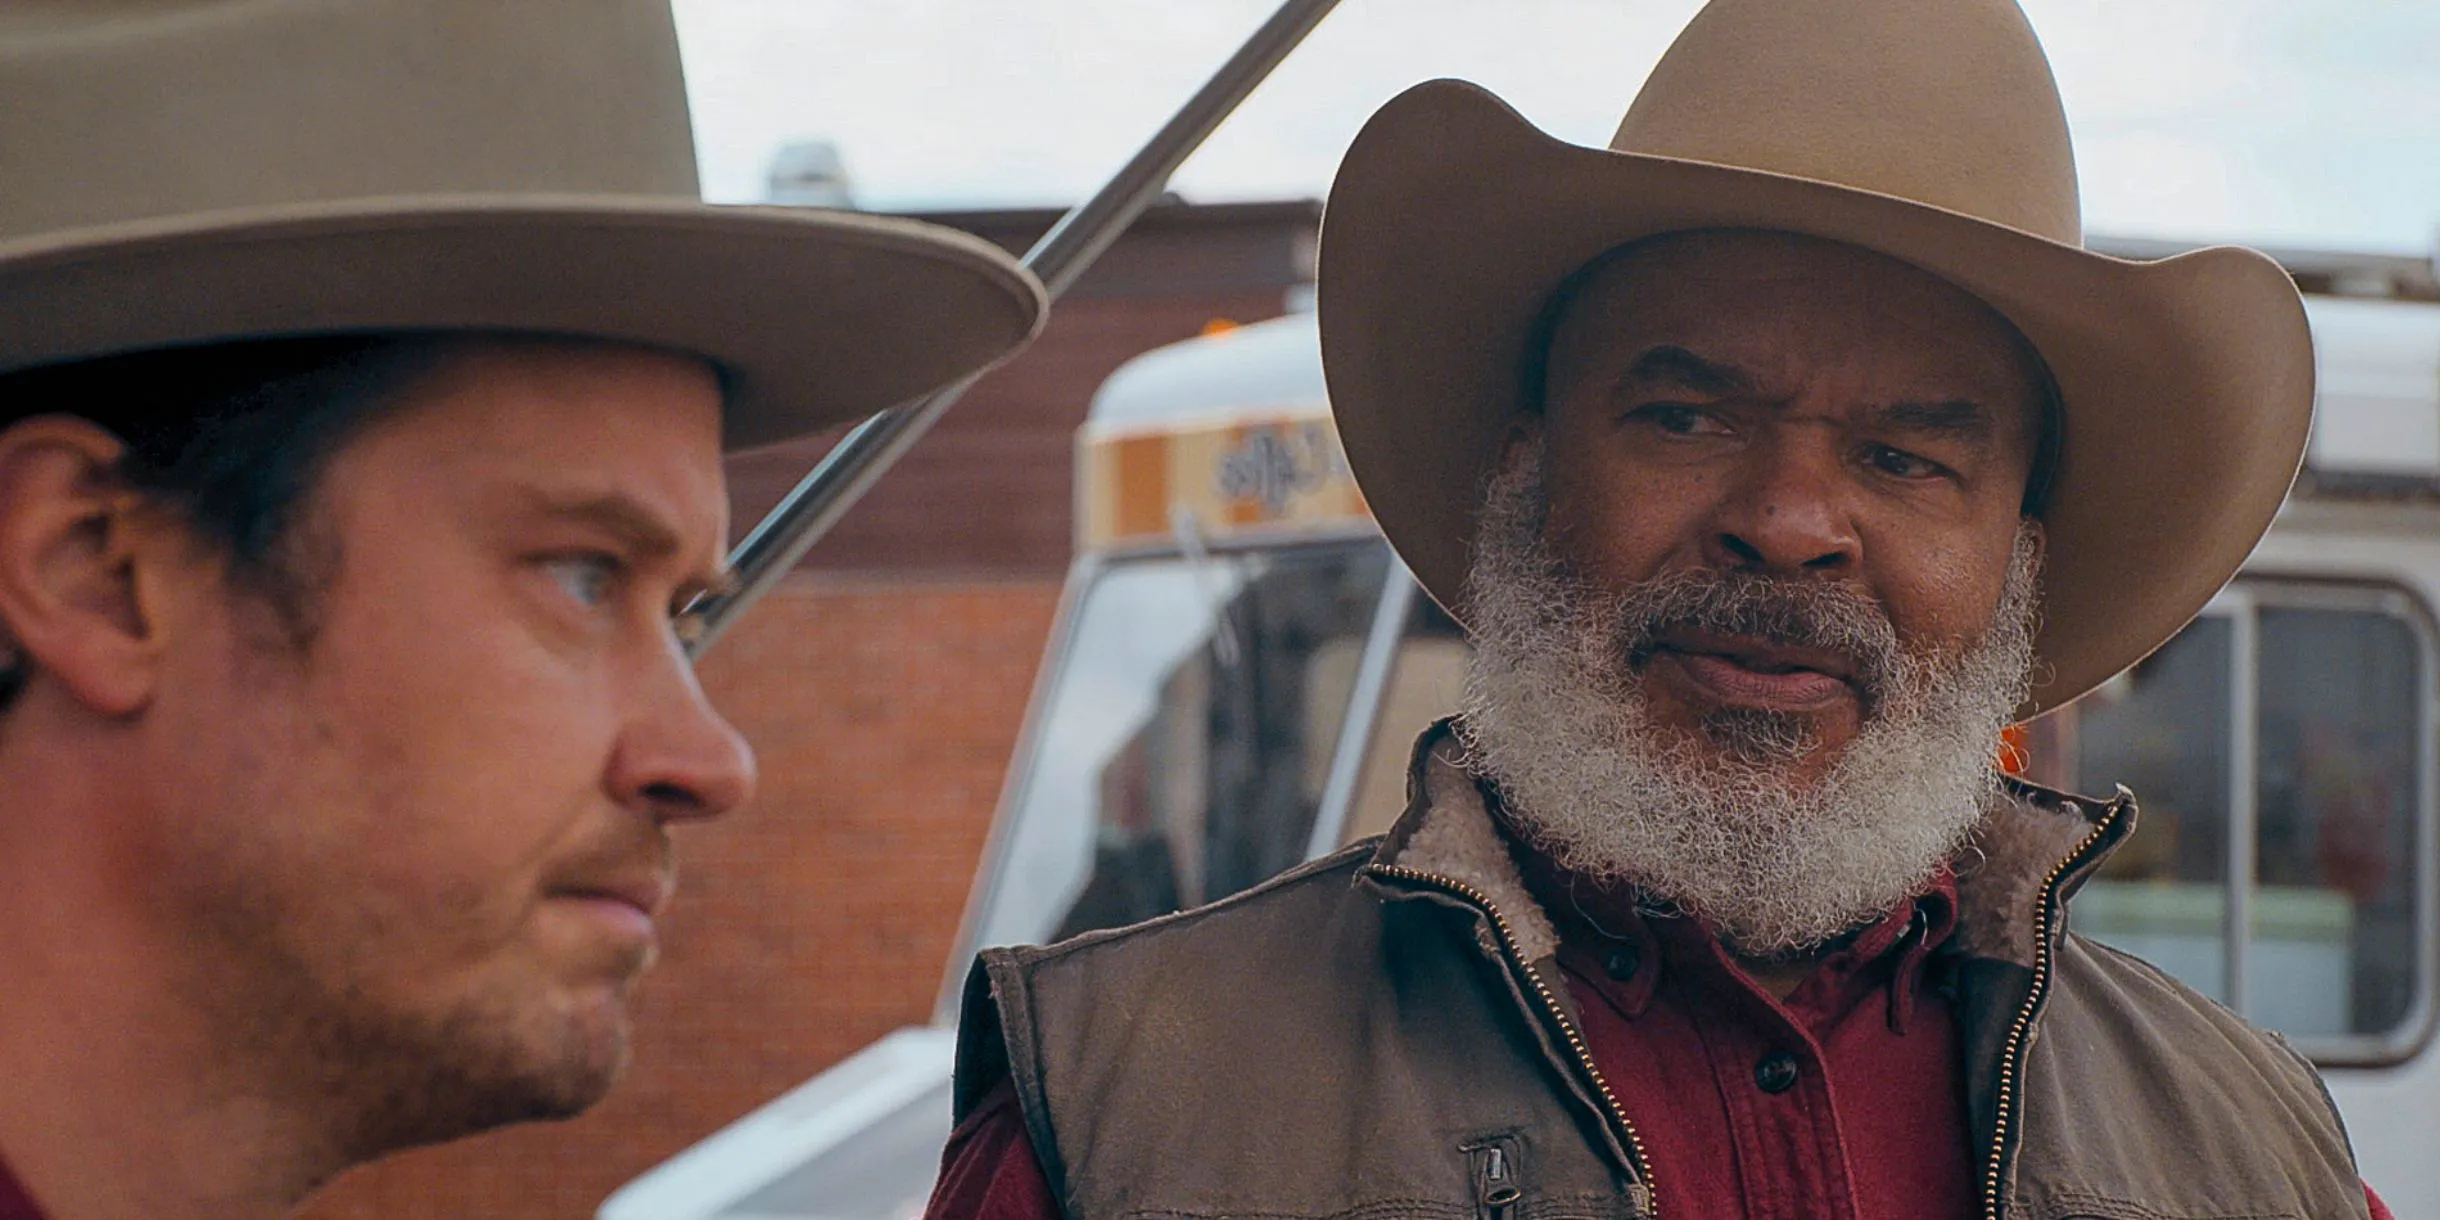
1843	1100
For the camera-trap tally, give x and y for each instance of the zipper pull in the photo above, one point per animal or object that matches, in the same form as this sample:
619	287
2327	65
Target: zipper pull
1495	1179
1639	1201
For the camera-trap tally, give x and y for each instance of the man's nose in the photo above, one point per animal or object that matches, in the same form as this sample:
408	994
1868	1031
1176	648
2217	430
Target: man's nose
678	759
1788	512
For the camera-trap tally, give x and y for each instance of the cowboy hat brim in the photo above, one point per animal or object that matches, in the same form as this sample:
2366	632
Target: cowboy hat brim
2187	383
816	318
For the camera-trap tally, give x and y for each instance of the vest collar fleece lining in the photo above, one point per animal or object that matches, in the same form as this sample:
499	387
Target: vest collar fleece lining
2026	834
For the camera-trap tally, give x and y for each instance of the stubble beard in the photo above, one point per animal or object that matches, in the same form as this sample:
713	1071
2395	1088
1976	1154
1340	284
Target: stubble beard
307	1021
1716	822
297	970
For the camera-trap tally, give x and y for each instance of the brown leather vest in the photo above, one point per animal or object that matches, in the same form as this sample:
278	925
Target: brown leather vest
1384	1033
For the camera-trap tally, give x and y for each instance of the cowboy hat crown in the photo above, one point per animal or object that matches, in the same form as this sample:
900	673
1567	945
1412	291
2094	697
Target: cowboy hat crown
199	171
1930	131
1808	89
118	112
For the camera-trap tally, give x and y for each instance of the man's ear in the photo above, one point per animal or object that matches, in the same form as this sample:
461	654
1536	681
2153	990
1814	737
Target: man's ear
69	598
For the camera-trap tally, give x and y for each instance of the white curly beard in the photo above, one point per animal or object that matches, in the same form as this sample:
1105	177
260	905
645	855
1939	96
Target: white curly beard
1715	823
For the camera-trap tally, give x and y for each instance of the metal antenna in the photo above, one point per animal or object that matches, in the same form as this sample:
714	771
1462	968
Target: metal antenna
1060	258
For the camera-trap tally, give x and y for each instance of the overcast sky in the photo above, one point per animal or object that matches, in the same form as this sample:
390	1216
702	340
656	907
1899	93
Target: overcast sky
2288	122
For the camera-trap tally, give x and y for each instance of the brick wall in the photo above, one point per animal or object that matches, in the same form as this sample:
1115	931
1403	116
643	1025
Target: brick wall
989	492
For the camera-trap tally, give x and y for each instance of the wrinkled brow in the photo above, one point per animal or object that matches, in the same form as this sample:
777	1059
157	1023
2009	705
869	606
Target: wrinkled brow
1669	364
1957	419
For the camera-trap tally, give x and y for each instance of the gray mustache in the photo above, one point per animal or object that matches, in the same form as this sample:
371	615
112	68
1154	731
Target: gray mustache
1817	614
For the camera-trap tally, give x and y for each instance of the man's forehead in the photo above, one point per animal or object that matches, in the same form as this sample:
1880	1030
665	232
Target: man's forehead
1731	277
557	395
564	370
625	433
1720	306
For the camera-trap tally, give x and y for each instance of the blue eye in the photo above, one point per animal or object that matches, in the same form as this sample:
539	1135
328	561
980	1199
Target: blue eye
586	578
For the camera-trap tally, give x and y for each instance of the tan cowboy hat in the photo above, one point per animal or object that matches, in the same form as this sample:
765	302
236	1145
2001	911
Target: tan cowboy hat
1928	130
194	171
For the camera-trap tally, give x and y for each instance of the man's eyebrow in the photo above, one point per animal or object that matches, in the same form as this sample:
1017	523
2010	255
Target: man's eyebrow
1675	365
612	512
1957	418
626	518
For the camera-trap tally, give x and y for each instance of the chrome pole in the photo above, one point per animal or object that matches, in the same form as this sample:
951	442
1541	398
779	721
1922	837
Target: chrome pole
1364	710
849	470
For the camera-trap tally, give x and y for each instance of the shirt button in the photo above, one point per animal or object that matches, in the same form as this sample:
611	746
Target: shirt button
1776	1073
1624	962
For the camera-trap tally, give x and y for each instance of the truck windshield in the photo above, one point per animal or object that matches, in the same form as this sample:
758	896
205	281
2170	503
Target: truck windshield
1184	741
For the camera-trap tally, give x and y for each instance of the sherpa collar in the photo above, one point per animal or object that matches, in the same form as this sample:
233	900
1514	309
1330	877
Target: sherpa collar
2029	835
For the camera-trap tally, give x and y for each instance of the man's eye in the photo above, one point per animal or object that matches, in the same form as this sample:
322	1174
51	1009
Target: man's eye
1898	463
1679	420
587	578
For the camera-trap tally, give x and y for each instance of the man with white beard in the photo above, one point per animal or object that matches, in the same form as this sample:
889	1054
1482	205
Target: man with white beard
1721	787
1776	459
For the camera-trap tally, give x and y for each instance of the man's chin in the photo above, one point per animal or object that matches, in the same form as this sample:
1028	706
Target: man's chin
486	1068
1808	740
593	1053
1800	750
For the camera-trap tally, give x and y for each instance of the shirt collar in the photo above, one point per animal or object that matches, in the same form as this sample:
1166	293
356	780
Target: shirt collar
1614	940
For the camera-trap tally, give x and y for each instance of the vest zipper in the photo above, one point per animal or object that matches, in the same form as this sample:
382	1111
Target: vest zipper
2012	1056
1642	1198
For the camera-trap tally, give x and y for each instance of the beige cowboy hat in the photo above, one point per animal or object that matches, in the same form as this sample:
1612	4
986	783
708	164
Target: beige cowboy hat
1928	130
180	172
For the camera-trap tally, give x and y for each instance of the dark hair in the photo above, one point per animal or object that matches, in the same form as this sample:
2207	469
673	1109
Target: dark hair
233	437
2049	408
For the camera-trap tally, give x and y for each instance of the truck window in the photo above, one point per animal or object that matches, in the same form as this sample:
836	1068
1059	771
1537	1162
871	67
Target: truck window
2279	742
1427	682
2337	839
1185	737
2161	729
